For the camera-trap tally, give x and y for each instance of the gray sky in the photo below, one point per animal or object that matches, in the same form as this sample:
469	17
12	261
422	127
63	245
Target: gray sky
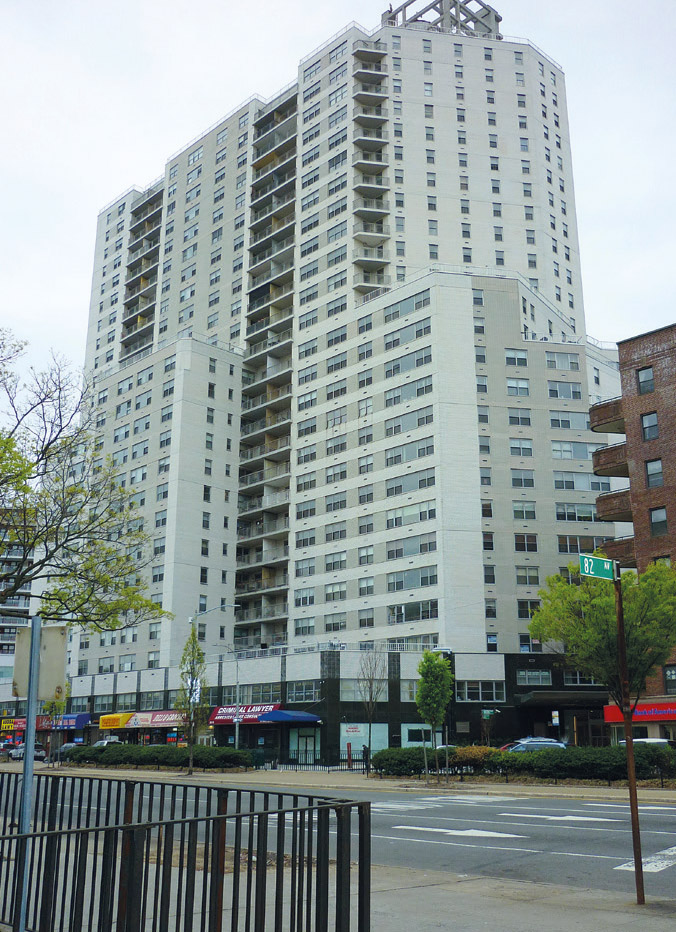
96	96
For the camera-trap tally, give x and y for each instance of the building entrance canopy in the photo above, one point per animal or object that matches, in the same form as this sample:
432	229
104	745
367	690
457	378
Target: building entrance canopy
251	714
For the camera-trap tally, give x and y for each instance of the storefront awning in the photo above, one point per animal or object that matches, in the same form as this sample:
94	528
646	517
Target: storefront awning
250	714
118	720
62	722
284	715
643	713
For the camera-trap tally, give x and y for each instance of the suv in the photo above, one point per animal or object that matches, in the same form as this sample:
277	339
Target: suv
536	744
17	753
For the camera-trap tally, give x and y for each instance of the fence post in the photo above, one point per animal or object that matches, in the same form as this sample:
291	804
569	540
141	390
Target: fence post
343	820
49	867
261	870
364	888
128	818
218	864
322	902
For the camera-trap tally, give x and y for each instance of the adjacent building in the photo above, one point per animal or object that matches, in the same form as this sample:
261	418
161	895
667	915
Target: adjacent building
645	416
340	354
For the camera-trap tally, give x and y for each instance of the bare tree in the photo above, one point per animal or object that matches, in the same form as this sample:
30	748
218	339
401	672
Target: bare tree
372	684
68	529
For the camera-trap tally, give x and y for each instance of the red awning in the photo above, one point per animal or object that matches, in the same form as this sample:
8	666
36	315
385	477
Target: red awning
644	712
225	714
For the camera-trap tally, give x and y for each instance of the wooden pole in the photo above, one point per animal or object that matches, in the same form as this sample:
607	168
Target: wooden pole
628	737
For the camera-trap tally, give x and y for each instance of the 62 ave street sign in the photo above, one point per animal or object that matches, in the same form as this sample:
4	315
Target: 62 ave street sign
598	567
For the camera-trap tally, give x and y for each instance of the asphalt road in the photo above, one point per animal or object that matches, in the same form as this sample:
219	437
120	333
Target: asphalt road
581	843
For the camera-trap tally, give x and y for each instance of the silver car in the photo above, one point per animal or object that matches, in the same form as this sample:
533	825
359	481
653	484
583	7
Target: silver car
17	753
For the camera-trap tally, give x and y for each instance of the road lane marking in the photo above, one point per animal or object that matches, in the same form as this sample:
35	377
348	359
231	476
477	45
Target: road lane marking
469	832
655	863
557	818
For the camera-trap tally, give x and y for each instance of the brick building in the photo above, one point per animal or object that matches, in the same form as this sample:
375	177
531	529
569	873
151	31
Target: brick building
646	415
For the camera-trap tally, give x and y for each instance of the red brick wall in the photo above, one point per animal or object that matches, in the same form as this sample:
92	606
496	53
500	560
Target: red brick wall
656	349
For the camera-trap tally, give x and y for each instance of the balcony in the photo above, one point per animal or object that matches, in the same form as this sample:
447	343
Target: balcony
274	342
614	506
372	234
368	72
258	558
257	585
372	163
369	51
611	461
263	529
622	550
367	281
607	416
370	258
370	139
371	209
370	94
371	116
275	424
371	185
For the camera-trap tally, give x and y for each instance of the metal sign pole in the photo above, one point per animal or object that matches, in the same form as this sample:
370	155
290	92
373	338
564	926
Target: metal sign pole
628	738
28	760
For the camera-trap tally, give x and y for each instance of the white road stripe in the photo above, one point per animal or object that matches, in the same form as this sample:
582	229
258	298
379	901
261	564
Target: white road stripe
654	864
557	818
470	832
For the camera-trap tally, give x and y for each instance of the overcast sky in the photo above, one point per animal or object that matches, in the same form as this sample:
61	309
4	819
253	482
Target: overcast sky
95	97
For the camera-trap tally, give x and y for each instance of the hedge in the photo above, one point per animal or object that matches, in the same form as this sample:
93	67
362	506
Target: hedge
575	763
160	755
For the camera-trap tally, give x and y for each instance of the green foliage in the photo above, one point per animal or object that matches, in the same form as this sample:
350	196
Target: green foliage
605	764
435	689
192	698
160	755
582	617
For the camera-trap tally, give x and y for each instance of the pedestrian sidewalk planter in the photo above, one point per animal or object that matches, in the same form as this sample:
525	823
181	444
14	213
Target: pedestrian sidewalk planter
606	764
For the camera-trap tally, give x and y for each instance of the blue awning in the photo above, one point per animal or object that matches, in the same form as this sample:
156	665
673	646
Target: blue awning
283	715
71	720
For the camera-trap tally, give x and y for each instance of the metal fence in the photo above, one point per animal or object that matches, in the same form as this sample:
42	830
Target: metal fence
136	856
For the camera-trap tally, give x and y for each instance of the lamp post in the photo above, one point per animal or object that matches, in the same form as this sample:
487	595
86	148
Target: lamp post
191	622
231	650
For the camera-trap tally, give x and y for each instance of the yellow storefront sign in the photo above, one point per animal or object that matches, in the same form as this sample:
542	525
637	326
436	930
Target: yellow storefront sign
7	724
119	720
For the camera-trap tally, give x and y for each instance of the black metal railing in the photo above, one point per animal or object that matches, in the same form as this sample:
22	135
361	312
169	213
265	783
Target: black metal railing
132	856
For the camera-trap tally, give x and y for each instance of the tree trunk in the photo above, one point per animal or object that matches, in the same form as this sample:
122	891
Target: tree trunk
436	753
191	743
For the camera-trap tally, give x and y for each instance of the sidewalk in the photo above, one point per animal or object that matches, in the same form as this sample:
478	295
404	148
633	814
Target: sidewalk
403	900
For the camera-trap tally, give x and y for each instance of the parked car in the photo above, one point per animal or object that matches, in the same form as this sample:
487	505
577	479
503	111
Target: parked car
536	744
660	742
7	745
104	742
59	754
17	753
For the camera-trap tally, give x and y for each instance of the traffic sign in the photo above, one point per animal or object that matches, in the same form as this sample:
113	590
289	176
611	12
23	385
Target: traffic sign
598	567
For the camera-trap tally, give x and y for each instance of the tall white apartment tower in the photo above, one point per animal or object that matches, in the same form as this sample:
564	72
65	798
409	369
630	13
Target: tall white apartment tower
357	309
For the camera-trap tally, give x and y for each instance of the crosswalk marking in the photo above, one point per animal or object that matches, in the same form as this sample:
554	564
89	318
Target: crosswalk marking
557	818
467	833
655	863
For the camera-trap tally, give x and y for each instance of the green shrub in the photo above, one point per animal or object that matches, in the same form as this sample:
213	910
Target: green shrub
399	762
477	757
161	755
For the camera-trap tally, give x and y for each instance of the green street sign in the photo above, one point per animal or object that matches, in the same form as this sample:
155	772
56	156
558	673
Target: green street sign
598	567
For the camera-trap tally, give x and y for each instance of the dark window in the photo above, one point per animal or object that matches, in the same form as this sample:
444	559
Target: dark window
649	426
645	380
653	474
658	522
670	680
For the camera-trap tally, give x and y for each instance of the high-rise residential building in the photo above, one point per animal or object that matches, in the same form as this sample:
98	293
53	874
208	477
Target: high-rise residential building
339	349
645	458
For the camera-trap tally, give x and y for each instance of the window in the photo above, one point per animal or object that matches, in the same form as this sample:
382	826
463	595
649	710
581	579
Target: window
565	390
488	540
516	357
526	543
489	574
517	387
527	576
519	416
670	680
645	380
533	677
519	446
654	475
649	426
658	522
481	690
523	478
529	646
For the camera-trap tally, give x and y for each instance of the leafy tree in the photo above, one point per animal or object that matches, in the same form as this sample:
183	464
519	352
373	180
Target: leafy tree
69	531
435	689
372	684
192	699
579	622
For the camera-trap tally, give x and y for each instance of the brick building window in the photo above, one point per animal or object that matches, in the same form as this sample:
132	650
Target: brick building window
658	522
645	380
649	426
670	680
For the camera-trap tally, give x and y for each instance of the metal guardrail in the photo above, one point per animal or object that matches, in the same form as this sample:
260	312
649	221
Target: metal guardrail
113	854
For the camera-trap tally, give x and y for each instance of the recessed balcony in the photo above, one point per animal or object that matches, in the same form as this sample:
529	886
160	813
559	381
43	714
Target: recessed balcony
367	281
371	208
614	506
370	139
370	94
611	461
369	51
371	116
607	416
370	258
371	186
368	72
371	234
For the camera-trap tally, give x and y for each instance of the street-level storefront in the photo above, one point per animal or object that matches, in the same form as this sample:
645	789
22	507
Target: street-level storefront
144	727
268	728
69	726
650	720
13	728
